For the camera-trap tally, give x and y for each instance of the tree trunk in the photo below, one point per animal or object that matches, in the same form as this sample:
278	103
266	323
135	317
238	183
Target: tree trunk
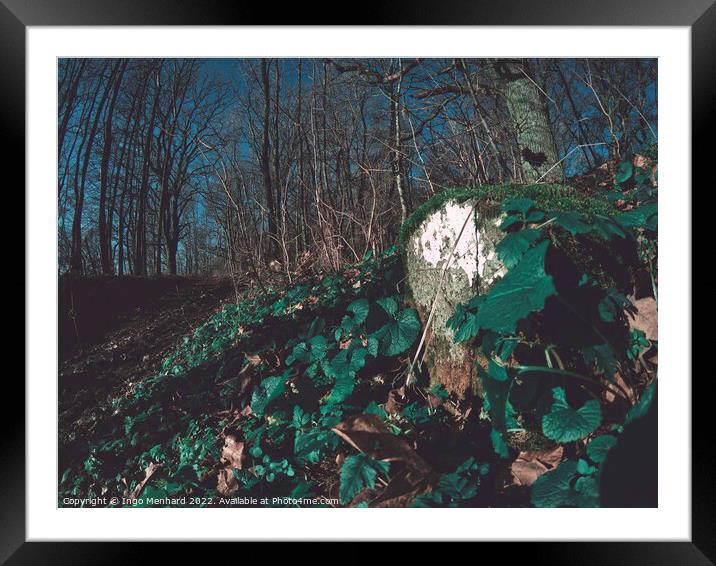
104	235
265	162
538	154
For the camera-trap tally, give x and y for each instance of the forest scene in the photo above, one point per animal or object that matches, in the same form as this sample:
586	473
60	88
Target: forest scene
398	282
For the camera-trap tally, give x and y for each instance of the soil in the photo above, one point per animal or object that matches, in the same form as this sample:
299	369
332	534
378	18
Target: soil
116	331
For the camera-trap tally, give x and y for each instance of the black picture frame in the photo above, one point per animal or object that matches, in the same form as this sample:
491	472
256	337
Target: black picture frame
699	15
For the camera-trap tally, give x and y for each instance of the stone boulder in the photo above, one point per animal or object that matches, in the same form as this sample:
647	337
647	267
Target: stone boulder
461	235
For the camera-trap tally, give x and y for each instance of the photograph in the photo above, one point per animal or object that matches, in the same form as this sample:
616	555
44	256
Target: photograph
330	282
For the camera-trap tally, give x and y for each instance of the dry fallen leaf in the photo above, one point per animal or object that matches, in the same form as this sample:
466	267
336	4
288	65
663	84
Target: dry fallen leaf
232	454
395	402
148	473
368	433
531	464
646	318
640	161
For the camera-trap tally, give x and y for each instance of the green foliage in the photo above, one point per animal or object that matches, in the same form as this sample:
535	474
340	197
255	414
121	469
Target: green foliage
399	333
455	487
559	303
270	389
565	424
307	343
306	358
523	290
359	471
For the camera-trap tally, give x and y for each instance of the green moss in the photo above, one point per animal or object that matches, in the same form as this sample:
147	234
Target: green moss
548	197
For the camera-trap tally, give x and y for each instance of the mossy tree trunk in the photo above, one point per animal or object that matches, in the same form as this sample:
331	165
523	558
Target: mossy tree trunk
526	104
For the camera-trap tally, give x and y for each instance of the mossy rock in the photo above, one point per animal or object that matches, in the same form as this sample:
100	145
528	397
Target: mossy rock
428	238
547	196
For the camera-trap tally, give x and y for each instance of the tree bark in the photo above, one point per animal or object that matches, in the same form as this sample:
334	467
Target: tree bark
538	154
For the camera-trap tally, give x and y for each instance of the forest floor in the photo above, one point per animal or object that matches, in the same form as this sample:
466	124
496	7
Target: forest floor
132	344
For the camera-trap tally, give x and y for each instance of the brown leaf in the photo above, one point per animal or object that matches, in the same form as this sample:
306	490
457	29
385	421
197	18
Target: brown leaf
226	483
394	404
368	433
253	359
639	161
646	318
233	452
148	473
402	489
531	464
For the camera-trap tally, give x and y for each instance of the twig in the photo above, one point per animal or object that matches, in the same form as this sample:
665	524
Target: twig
571	151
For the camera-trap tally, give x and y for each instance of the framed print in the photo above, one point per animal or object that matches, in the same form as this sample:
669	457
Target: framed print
278	273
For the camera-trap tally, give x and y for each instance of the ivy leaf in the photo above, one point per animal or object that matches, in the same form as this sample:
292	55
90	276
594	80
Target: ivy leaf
269	389
514	245
597	449
524	289
359	471
565	424
553	489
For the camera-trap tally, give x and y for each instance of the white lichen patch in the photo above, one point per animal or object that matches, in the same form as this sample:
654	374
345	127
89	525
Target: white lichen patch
440	231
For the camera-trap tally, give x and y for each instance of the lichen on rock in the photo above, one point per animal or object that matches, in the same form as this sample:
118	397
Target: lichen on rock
460	241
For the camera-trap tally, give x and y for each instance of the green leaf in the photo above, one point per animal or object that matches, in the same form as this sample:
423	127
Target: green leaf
521	205
359	471
344	367
464	322
498	444
496	392
611	304
523	290
565	424
573	222
270	389
514	245
644	216
597	449
553	489
359	308
643	405
497	371
300	417
602	356
399	334
624	172
388	304
587	489
509	221
307	446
